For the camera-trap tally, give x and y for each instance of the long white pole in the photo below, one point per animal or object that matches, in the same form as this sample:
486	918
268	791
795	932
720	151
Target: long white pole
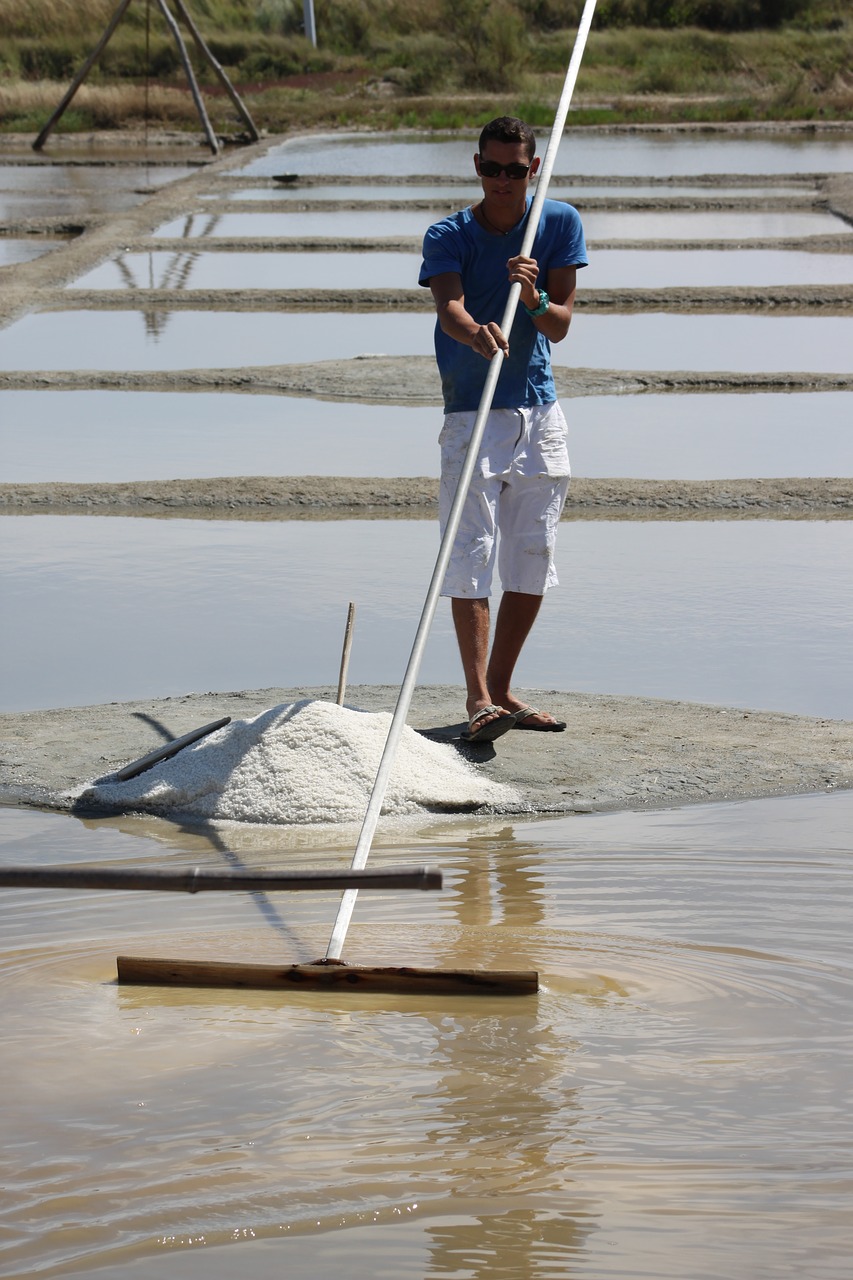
404	699
308	21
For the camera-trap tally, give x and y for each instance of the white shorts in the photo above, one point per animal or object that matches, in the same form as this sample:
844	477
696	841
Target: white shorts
518	491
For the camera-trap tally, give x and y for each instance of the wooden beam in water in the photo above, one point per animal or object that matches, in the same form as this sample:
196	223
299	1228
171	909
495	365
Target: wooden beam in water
197	880
325	976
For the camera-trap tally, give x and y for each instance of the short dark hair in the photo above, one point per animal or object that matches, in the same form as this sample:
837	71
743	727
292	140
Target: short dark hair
509	129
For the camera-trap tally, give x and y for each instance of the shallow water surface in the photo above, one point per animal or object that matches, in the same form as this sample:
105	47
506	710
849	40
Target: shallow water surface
281	270
558	188
744	613
608	269
56	190
160	339
14	250
92	436
655	154
121	435
598	224
686	1060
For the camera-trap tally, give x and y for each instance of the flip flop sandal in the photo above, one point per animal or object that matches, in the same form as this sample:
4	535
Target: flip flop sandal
492	729
520	716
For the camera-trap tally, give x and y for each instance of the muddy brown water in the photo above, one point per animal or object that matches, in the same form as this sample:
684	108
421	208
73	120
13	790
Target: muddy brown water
675	1101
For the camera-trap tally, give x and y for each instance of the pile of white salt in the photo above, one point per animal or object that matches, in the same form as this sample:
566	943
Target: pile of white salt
304	762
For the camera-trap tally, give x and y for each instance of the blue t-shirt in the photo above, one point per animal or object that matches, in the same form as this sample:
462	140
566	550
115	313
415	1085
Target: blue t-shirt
460	244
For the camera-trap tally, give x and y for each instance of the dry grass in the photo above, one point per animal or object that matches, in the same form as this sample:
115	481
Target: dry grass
51	17
97	106
393	63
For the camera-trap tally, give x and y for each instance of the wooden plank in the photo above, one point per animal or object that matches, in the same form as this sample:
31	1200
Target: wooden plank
194	880
324	976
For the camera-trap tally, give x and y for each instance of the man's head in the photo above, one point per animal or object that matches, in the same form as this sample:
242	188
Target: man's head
506	161
509	129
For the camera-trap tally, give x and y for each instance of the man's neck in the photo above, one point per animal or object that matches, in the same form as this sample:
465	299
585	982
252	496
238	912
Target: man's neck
500	221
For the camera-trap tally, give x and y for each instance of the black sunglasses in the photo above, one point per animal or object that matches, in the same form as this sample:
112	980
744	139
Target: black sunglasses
491	169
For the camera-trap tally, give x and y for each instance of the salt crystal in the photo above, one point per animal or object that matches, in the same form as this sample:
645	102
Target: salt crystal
304	762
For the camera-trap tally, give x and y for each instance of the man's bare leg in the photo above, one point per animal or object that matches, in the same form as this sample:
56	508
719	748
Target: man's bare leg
471	620
516	616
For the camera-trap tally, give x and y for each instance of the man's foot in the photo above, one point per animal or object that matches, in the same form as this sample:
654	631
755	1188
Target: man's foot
487	724
532	719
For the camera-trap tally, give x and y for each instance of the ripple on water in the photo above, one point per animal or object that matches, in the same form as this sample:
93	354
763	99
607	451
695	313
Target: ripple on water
685	1064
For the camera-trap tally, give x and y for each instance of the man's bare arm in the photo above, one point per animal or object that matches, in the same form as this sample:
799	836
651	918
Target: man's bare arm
561	284
457	323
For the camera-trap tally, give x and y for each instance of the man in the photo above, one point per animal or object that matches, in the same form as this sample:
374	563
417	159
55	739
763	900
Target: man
521	477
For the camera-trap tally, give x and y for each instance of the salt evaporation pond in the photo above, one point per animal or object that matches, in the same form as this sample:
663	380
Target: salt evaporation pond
608	269
14	249
354	224
36	179
121	435
53	190
97	436
742	613
161	339
560	189
191	269
588	152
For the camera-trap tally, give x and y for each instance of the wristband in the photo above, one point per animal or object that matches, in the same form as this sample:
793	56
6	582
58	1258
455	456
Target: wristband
544	304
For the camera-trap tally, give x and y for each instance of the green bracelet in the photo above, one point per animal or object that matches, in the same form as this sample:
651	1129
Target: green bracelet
544	304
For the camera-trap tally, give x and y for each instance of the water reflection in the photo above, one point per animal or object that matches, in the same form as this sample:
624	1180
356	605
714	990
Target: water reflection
608	269
240	270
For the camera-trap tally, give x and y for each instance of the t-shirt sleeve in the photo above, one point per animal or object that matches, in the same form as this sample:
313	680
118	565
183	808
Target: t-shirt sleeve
441	252
570	246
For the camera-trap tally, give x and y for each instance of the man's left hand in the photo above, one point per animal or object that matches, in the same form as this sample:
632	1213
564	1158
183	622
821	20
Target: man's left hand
525	271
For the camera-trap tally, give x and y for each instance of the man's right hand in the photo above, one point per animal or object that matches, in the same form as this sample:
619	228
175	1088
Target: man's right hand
489	339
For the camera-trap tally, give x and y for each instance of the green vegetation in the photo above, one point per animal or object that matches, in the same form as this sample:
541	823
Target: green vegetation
434	63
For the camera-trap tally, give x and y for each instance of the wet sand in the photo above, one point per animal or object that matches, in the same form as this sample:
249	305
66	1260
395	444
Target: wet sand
416	497
617	753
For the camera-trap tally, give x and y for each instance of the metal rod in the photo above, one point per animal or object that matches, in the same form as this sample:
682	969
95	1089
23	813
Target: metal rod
310	27
342	678
377	795
195	880
81	75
